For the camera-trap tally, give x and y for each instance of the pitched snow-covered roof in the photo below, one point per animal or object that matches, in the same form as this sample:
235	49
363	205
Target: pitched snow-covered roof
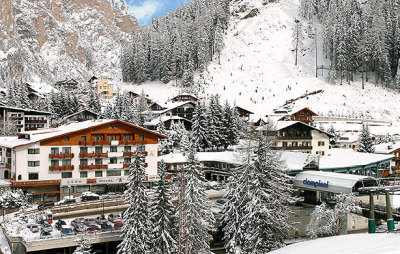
227	157
297	161
387	148
46	133
279	125
83	110
349	158
171	105
25	110
348	138
155	121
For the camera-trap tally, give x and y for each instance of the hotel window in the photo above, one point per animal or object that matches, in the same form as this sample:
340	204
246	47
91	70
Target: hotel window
305	143
98	149
97	138
33	151
141	148
66	138
98	173
55	163
127	148
33	176
321	143
113	160
83	138
284	144
66	174
66	162
66	150
33	163
83	150
84	161
126	172
295	143
112	137
98	161
66	191
127	160
114	173
141	138
127	137
113	149
54	150
81	189
83	174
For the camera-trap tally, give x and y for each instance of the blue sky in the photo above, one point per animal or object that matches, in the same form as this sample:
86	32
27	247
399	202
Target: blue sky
145	10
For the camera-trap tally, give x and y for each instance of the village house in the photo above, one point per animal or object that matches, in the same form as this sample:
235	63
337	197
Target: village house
304	115
105	88
87	156
167	121
244	112
183	109
184	97
297	136
390	148
80	116
24	119
69	84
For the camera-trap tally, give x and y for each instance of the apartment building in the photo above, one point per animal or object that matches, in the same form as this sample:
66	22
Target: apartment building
86	156
24	119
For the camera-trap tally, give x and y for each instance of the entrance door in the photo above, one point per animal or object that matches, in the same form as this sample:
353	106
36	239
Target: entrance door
6	174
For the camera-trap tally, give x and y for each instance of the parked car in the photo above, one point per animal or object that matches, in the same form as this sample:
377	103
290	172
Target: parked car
33	228
109	195
113	217
106	227
45	234
60	224
89	221
47	226
101	219
66	200
77	222
65	230
118	225
92	229
220	202
86	196
46	204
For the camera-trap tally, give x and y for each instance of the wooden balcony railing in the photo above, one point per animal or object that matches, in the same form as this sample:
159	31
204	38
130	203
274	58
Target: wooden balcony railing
35	121
100	143
90	167
8	154
128	154
61	168
126	165
86	155
61	155
8	166
35	183
145	153
291	148
97	155
127	142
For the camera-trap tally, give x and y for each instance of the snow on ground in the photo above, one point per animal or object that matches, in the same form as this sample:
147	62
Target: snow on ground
346	244
4	247
257	71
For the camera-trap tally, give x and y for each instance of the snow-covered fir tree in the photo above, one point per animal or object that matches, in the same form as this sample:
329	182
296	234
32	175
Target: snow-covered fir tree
365	143
200	133
84	246
162	214
199	219
327	221
256	213
137	225
165	145
93	101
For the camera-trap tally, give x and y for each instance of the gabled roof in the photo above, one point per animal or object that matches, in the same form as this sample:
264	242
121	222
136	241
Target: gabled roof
49	133
66	81
185	94
280	125
171	106
387	148
155	121
247	111
25	110
87	110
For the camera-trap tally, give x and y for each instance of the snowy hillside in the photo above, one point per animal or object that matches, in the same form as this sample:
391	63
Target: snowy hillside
49	40
257	69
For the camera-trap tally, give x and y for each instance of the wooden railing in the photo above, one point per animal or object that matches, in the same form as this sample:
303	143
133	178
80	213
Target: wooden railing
35	183
61	168
8	166
128	154
127	142
126	165
61	155
35	121
90	167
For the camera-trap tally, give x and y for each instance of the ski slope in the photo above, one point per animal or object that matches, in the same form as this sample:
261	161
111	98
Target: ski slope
257	70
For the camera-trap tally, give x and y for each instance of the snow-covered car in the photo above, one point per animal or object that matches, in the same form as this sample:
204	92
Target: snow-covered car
89	221
113	217
92	229
118	225
33	228
60	224
87	196
66	200
109	195
45	234
47	226
106	227
220	202
66	230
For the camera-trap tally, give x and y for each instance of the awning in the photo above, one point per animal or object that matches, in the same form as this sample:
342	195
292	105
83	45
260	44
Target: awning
327	181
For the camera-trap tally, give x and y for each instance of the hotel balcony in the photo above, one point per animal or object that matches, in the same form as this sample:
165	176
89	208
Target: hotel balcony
115	166
292	148
61	155
8	154
127	142
61	168
128	154
90	167
35	121
8	166
126	165
294	137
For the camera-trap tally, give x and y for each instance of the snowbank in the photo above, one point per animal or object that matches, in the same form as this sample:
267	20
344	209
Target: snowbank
355	243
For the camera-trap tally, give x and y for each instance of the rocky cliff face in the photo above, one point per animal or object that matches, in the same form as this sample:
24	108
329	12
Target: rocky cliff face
50	40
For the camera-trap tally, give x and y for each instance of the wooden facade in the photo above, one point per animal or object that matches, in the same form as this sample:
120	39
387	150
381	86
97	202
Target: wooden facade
184	97
70	84
304	115
243	112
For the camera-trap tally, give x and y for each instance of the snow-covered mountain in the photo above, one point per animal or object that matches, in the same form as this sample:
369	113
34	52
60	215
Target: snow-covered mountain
50	40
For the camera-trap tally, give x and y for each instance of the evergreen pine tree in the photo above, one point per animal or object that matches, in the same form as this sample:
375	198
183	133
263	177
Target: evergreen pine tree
199	218
257	213
93	101
162	215
84	246
365	143
200	133
397	82
136	228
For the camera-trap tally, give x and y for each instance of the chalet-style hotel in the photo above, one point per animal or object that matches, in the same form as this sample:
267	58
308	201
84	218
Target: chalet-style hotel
92	156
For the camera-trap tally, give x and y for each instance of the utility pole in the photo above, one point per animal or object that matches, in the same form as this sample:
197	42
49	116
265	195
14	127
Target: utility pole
182	240
297	38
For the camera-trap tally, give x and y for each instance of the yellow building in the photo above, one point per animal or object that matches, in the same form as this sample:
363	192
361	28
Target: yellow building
104	87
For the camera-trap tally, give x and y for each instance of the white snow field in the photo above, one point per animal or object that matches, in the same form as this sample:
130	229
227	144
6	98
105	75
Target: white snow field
381	243
257	71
